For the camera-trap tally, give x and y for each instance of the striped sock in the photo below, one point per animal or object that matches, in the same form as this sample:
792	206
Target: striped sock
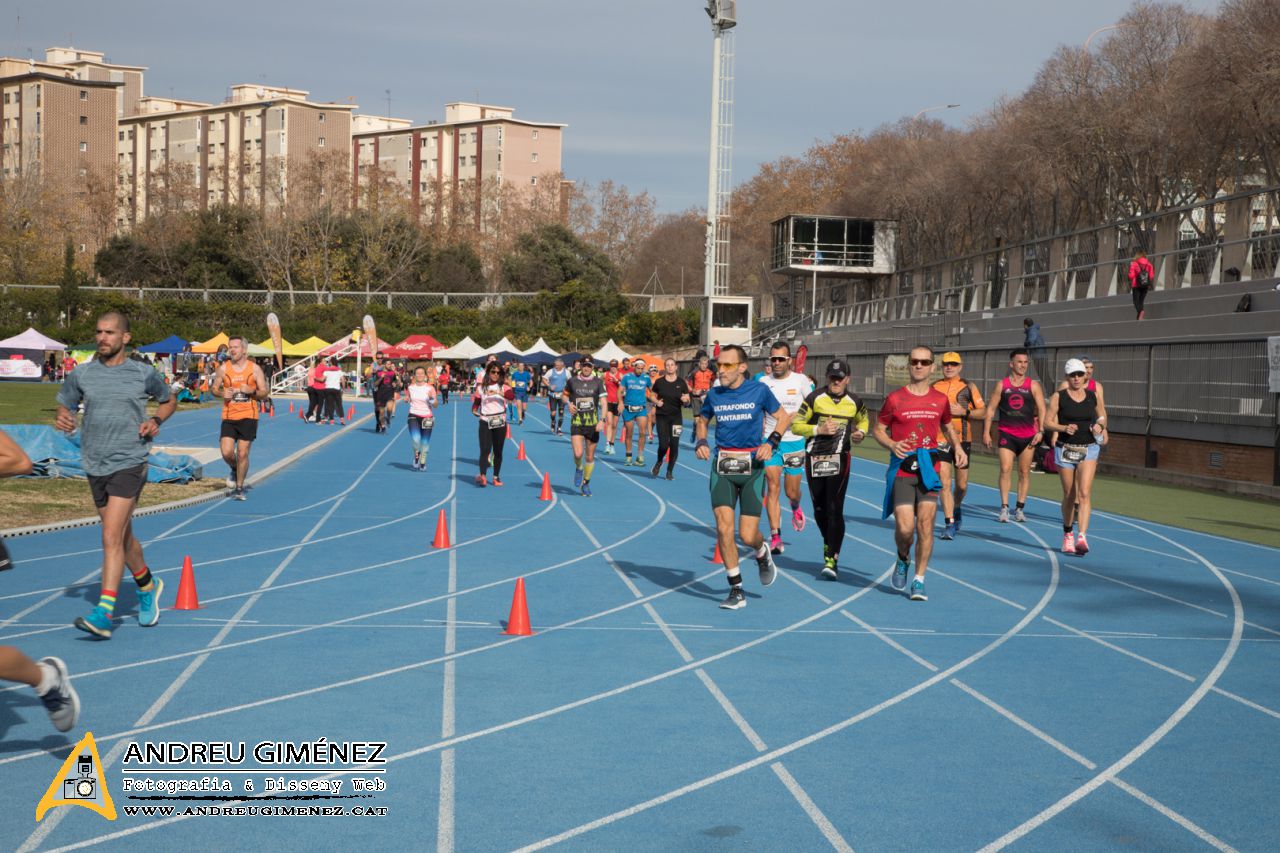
107	601
143	579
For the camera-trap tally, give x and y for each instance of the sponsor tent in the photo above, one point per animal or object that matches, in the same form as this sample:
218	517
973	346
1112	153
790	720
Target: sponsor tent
290	350
418	347
501	346
169	346
310	346
463	349
212	345
609	352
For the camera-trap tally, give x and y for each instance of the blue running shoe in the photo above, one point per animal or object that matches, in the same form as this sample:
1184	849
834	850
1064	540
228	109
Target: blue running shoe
900	574
917	590
948	531
577	478
149	604
586	489
959	517
97	623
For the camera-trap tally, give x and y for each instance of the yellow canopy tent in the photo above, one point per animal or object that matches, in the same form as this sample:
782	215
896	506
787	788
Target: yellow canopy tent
310	346
213	344
290	350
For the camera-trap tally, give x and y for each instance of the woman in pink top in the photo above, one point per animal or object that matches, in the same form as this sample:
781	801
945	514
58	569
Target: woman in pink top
1142	276
422	419
315	390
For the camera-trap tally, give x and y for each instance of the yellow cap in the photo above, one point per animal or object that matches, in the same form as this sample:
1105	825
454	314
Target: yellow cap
952	356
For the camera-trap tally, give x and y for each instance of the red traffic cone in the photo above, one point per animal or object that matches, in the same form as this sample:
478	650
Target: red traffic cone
518	621
546	487
508	431
520	455
716	558
187	598
273	410
301	413
442	532
351	412
291	407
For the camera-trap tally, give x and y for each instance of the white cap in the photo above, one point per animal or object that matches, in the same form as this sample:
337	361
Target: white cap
1074	365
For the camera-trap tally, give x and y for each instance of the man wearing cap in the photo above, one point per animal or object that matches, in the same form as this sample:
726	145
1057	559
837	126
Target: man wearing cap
557	379
966	403
635	407
833	420
739	406
791	389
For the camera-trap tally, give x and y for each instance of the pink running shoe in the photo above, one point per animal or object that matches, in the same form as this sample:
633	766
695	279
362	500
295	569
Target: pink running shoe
1082	547
775	543
797	518
1068	543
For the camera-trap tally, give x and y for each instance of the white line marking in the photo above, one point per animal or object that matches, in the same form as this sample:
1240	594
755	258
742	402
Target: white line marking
1181	821
1025	726
1095	639
825	826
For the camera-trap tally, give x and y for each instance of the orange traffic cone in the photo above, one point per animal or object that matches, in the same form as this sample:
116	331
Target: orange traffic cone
546	487
442	532
291	407
518	621
508	431
716	558
520	455
273	410
187	598
301	413
351	412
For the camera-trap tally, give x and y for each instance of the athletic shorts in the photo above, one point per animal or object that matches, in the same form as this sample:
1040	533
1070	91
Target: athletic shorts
522	396
628	417
946	453
382	396
125	483
244	429
778	459
907	491
1013	442
746	491
1090	455
613	409
590	433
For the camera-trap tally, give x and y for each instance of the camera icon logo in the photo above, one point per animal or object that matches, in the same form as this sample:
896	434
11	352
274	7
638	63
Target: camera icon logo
85	787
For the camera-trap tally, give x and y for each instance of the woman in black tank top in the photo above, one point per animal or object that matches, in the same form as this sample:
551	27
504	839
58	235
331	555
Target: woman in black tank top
1078	417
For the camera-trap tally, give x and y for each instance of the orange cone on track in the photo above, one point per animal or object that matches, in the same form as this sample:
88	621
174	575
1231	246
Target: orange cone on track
351	412
546	487
518	621
301	413
442	532
716	558
273	411
508	431
291	407
187	598
520	457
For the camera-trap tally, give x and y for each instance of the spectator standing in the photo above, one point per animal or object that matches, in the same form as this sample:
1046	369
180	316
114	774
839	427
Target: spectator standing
1141	276
1033	341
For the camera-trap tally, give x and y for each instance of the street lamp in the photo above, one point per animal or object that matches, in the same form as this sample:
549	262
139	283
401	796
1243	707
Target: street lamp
916	117
1100	30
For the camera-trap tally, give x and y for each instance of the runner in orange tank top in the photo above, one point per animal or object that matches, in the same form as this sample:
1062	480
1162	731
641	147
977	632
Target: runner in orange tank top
241	384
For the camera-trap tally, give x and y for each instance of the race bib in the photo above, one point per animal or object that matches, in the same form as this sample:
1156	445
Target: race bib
1074	454
428	423
635	408
239	397
585	404
496	421
733	462
793	460
826	465
677	430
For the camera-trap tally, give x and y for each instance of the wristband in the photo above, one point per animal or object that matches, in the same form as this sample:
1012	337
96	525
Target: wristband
701	443
774	439
158	421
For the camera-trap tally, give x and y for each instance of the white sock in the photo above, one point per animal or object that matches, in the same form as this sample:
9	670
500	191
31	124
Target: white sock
48	678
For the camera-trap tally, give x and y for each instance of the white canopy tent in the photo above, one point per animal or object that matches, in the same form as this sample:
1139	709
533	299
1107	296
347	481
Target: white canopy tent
610	352
463	349
503	345
540	347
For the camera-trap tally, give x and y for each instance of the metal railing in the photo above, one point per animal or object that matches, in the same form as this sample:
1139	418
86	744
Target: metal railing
294	377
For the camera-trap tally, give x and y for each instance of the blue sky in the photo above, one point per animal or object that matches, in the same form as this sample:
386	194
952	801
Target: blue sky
632	80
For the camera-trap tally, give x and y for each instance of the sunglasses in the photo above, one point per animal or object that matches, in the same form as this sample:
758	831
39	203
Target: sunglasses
921	362
950	364
837	377
776	358
1077	373
726	365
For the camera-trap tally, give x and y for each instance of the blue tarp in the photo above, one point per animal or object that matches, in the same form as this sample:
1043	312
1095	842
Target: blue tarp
168	346
55	454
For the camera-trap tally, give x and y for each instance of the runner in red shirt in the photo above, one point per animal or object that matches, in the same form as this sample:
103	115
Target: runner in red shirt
909	421
611	380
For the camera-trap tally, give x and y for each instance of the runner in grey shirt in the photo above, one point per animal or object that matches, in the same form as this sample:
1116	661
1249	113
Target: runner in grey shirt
114	442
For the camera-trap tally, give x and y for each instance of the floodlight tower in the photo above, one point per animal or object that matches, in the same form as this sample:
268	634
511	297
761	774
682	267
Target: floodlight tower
724	17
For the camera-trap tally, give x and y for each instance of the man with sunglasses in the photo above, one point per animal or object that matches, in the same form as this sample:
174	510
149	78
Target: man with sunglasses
700	379
1019	400
908	425
584	394
966	403
739	406
635	410
791	389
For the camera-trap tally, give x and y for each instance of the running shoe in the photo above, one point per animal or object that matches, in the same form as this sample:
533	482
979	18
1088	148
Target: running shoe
948	531
1068	543
97	623
1019	515
959	517
149	604
768	571
608	448
900	574
481	481
917	590
586	488
61	701
775	543
670	474
1082	546
577	478
1004	515
497	481
231	481
238	494
640	461
797	518
736	601
657	466
829	570
628	463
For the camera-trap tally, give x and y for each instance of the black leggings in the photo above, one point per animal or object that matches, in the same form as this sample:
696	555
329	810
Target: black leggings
666	441
492	440
333	404
1139	297
557	409
314	401
827	494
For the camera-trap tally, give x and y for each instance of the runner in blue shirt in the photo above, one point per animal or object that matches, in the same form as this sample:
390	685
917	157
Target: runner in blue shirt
635	387
520	379
557	378
739	406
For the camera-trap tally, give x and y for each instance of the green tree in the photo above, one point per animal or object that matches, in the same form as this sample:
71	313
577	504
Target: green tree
550	256
69	285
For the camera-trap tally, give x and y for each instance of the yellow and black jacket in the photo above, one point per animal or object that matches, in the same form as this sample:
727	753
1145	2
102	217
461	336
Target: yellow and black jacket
847	409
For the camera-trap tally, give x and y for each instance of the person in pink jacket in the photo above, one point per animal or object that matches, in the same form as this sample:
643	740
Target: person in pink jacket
1141	277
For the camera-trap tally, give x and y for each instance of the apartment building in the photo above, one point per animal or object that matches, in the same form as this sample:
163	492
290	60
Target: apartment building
91	65
53	124
475	142
238	152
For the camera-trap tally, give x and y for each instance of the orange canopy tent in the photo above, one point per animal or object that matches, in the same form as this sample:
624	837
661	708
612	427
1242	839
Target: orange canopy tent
213	344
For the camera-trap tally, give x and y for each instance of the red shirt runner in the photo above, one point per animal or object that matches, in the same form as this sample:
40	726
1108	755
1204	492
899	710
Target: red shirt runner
918	418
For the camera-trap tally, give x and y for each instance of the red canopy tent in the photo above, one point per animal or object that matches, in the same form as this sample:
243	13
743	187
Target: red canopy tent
416	347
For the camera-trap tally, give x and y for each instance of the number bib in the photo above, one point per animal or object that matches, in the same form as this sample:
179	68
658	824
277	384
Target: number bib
677	430
239	397
731	463
793	460
585	405
825	465
635	408
496	421
428	423
1074	454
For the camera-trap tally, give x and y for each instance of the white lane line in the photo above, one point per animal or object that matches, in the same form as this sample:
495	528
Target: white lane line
445	809
1025	726
1201	833
825	826
1096	639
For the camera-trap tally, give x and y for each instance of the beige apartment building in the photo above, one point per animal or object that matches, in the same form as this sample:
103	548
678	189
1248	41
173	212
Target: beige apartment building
91	65
238	152
474	143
